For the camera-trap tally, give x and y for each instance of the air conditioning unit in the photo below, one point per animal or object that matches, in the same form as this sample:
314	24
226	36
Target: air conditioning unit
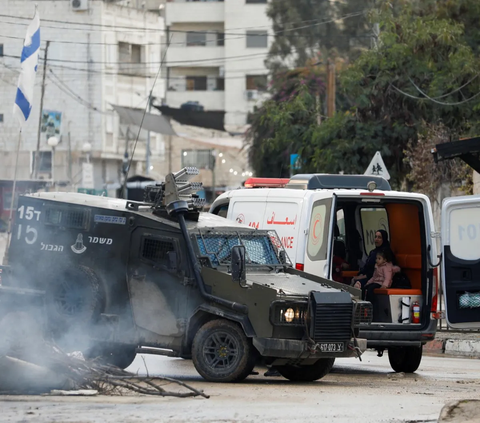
252	94
79	4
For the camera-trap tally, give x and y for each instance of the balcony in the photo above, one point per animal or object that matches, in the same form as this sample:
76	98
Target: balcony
194	12
199	56
211	100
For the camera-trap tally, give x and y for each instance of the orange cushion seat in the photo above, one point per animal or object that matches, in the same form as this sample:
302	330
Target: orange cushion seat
390	291
409	261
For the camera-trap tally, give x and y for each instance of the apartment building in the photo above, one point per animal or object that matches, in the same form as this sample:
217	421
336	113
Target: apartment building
99	53
216	55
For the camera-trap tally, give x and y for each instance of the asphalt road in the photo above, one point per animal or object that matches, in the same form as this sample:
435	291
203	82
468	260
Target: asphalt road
354	392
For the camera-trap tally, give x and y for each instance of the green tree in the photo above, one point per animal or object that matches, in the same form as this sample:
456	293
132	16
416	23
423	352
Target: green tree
422	73
304	28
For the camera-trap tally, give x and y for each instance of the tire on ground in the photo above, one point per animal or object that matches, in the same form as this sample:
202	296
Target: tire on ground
222	353
308	373
405	359
74	301
119	355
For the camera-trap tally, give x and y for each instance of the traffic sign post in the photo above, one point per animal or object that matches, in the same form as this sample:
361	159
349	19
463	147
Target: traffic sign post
377	167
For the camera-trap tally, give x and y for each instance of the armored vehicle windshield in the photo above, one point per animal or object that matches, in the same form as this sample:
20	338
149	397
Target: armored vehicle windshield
262	248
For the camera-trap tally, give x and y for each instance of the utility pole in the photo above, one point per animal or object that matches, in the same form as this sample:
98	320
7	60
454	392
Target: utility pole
37	152
147	152
331	88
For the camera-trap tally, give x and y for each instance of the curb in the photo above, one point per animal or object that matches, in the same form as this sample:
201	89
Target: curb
464	347
454	347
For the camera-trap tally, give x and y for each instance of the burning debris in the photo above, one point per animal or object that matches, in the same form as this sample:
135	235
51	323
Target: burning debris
31	365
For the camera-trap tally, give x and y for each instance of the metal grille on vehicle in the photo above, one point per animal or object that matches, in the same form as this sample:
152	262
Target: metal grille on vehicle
363	313
332	322
76	219
332	317
156	250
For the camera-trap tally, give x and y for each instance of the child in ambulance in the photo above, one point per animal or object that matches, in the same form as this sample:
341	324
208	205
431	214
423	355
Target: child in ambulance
382	275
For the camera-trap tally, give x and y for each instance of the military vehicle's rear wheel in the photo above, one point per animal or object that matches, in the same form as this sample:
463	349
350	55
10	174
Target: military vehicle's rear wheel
120	355
308	373
222	353
74	299
405	359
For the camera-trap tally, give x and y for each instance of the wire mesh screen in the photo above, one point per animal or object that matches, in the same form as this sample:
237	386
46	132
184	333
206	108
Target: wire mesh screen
156	250
262	247
77	219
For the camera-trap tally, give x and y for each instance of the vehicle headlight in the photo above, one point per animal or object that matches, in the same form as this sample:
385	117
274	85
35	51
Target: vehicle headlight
289	315
283	313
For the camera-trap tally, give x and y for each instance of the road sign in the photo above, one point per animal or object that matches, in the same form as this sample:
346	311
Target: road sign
377	167
87	176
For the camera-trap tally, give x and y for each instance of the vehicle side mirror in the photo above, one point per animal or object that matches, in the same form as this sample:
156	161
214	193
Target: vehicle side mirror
172	260
239	273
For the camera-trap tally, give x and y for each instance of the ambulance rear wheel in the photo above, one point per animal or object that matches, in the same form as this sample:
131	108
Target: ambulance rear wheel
405	359
308	373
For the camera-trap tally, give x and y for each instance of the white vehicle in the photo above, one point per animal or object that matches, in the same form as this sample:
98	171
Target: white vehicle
314	213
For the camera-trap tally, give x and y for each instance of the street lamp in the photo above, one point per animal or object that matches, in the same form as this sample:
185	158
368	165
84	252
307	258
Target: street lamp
53	142
86	149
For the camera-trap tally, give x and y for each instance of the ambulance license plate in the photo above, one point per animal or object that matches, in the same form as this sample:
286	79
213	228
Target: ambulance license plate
331	346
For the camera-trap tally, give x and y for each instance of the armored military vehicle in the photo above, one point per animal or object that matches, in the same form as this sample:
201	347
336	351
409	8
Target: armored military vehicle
160	277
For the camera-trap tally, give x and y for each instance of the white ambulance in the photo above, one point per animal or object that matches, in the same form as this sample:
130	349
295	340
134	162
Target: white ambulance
316	213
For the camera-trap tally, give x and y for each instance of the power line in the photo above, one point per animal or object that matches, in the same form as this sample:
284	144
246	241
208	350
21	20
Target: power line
126	64
67	90
432	99
129	28
143	117
445	95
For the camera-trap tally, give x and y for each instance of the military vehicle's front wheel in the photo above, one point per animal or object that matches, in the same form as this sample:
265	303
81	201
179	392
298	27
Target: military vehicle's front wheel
222	353
308	373
405	359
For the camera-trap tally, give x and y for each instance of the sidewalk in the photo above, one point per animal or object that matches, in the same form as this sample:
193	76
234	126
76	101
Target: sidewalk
456	343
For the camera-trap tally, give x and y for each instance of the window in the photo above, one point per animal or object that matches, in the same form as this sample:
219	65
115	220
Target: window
157	250
257	39
1	50
318	230
44	161
373	219
196	83
256	1
196	38
1	117
201	159
220	84
257	82
130	57
220	38
464	233
68	218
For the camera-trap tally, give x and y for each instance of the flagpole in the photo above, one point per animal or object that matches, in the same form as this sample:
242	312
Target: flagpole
12	201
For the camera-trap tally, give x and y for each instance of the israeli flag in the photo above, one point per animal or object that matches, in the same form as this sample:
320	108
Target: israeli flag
26	80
